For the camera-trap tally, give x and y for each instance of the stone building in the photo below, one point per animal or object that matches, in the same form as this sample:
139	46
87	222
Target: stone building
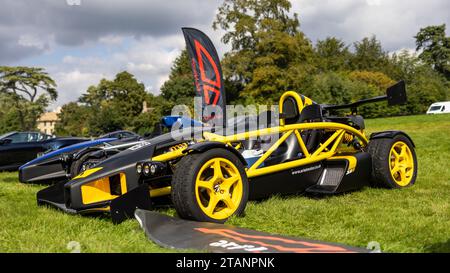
46	122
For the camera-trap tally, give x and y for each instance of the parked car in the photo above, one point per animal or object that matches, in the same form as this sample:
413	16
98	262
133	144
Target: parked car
60	165
439	108
17	148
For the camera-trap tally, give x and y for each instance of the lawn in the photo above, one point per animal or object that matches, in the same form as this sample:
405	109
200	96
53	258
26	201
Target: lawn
415	219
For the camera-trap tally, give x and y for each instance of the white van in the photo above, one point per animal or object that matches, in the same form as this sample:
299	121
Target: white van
439	108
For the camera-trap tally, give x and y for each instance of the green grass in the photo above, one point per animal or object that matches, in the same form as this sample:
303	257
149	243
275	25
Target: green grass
415	219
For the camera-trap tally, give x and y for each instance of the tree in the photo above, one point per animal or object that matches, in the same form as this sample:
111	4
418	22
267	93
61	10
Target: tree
31	88
332	88
9	116
332	54
114	104
73	120
179	88
373	84
369	55
158	107
424	84
435	48
269	53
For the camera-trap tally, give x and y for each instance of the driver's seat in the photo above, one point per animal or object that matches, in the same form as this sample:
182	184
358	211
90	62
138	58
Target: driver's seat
291	106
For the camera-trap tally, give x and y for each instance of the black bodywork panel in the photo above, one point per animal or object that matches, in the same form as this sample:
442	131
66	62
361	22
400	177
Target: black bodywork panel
57	168
390	134
290	181
308	178
205	146
123	207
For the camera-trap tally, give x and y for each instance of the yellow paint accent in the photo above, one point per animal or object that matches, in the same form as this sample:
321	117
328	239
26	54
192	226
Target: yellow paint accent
269	152
160	191
213	137
288	165
123	183
401	163
93	210
99	190
328	142
168	156
281	129
302	144
318	155
178	146
322	154
219	195
87	172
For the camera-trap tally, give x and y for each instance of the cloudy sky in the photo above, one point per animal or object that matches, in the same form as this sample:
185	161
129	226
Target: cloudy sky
81	41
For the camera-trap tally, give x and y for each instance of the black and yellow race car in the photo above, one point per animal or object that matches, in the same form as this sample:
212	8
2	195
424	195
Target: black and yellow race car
209	175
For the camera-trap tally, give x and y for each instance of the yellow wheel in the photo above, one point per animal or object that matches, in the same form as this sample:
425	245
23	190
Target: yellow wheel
218	188
394	162
210	186
401	163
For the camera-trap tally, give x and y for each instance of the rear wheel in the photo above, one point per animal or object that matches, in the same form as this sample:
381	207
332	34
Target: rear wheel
210	187
394	162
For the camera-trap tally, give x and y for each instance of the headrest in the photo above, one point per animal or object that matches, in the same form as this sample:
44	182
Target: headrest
290	110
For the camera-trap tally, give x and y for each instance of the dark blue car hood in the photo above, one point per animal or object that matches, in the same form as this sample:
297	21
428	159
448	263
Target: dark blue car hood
67	149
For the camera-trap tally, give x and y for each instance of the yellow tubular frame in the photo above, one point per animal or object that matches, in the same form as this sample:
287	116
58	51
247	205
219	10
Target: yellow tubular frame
323	152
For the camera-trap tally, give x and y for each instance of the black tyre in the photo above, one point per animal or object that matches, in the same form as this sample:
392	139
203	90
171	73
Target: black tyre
85	162
210	186
394	162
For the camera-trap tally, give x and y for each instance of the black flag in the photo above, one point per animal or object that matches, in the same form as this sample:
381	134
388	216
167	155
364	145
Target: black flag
207	73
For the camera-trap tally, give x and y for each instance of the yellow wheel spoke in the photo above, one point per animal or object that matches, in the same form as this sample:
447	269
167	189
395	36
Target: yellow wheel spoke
396	155
205	184
229	182
395	170
217	170
228	202
213	200
402	174
403	151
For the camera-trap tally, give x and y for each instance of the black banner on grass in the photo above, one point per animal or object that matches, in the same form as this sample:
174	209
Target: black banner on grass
177	233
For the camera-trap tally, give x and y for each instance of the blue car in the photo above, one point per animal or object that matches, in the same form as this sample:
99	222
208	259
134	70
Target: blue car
61	164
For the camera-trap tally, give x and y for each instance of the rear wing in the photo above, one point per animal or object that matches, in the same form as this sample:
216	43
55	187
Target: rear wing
395	95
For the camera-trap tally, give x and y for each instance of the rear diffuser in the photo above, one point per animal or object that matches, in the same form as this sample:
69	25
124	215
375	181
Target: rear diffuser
177	233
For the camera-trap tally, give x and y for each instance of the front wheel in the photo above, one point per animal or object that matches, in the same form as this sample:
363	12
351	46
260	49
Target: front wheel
394	162
210	187
85	162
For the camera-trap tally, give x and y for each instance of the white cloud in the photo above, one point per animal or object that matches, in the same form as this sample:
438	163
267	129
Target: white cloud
393	22
72	83
34	41
148	58
82	44
373	2
111	40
